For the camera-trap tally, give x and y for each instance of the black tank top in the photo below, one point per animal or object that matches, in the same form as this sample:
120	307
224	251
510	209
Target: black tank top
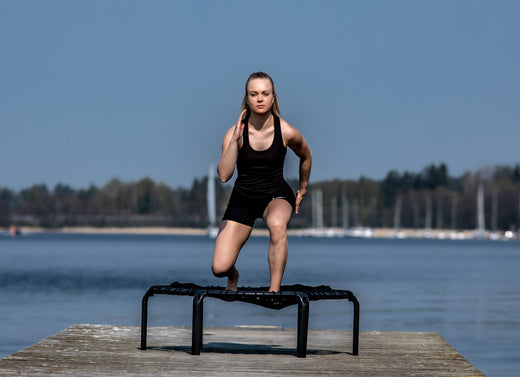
260	173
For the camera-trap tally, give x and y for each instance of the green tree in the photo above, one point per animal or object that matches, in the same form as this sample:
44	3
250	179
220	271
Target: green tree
145	196
36	201
6	197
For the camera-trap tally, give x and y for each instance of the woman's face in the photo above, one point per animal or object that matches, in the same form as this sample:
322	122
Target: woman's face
260	96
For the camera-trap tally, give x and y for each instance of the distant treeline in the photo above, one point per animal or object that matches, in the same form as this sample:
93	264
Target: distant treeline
430	198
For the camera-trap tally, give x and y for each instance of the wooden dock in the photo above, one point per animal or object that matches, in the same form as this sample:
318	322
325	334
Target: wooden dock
100	350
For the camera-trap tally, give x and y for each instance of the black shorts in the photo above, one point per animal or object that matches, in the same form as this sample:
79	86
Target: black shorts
245	210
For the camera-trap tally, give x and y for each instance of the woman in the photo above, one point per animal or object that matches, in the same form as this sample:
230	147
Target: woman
257	145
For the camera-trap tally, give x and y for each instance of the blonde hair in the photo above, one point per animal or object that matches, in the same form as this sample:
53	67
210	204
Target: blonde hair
275	109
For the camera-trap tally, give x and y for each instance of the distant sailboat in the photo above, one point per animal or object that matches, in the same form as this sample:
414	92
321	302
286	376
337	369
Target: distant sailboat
210	199
428	220
317	209
454	234
397	218
481	226
415	208
453	214
334	212
356	230
318	225
494	215
344	209
439	216
318	228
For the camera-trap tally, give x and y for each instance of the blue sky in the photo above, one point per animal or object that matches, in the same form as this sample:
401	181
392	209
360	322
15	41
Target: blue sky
92	90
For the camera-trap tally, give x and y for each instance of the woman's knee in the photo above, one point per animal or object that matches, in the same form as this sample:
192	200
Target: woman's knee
277	230
219	269
229	242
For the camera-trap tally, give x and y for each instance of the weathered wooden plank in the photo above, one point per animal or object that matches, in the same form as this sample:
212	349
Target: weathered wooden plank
97	350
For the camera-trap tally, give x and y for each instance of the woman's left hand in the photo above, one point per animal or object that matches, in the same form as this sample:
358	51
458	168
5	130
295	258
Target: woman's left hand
299	198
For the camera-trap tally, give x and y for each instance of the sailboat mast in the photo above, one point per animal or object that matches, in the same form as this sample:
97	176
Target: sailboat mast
212	217
480	210
344	209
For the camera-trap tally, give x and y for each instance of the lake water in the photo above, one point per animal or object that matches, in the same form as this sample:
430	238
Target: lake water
467	291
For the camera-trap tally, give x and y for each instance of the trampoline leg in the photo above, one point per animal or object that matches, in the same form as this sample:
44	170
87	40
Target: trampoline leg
303	324
144	319
355	333
197	323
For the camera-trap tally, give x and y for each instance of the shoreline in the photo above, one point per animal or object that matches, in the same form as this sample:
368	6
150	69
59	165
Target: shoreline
326	232
156	230
153	230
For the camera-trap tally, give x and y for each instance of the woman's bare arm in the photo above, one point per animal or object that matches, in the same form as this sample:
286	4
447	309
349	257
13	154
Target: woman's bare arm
230	146
299	146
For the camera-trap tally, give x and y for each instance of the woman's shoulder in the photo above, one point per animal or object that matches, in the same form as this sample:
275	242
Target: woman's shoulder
290	134
288	130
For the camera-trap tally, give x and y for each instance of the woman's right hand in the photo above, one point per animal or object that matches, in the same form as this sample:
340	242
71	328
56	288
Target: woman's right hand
239	127
230	147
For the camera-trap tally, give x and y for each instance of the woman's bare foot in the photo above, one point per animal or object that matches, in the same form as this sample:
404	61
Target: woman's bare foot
232	281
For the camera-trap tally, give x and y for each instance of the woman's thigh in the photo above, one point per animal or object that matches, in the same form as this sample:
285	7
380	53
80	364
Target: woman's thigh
230	240
278	213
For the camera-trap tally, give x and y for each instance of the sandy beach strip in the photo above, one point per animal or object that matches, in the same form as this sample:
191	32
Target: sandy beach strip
117	230
374	233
